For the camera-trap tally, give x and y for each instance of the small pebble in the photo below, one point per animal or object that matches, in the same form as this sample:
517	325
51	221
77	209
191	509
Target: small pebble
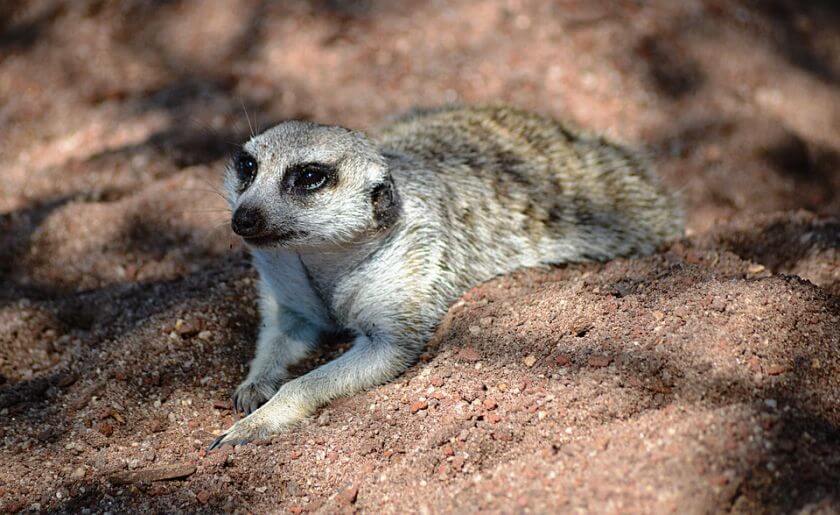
599	361
775	370
324	418
468	354
563	360
418	405
348	495
502	436
78	473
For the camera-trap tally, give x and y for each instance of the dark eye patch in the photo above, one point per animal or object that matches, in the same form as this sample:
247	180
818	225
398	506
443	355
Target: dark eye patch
246	168
309	177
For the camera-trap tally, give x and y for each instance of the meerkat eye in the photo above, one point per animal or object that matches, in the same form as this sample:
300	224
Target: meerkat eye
246	168
309	176
310	179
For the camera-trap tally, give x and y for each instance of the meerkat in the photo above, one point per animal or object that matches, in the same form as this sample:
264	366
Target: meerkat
379	234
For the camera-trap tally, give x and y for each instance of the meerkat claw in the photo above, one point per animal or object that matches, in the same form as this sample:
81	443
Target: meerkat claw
217	443
249	397
221	441
228	438
244	431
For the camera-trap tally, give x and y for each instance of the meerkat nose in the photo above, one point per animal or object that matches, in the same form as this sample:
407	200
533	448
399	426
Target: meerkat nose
248	222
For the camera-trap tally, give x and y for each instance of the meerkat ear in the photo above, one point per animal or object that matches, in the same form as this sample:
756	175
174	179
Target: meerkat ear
386	202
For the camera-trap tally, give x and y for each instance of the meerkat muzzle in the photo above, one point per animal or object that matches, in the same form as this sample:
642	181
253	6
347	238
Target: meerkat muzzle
248	222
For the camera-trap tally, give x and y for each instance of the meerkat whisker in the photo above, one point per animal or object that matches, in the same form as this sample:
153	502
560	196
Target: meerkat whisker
213	187
248	118
203	211
200	190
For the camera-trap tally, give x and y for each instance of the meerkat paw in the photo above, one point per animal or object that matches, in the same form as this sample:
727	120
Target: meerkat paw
279	414
250	395
241	432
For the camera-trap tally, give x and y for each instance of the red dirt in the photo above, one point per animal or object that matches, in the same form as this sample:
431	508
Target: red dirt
703	378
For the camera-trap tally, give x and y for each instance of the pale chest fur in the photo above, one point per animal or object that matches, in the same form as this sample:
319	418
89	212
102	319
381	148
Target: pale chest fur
346	283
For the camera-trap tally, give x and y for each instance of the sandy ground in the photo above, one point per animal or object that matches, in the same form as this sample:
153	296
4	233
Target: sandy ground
705	378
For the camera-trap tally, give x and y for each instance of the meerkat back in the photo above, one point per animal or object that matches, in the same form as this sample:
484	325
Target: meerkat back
574	196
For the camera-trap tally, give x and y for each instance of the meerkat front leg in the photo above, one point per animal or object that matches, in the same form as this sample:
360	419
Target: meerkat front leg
285	339
370	362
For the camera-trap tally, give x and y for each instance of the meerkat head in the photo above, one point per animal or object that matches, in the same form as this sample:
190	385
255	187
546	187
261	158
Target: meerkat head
301	184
